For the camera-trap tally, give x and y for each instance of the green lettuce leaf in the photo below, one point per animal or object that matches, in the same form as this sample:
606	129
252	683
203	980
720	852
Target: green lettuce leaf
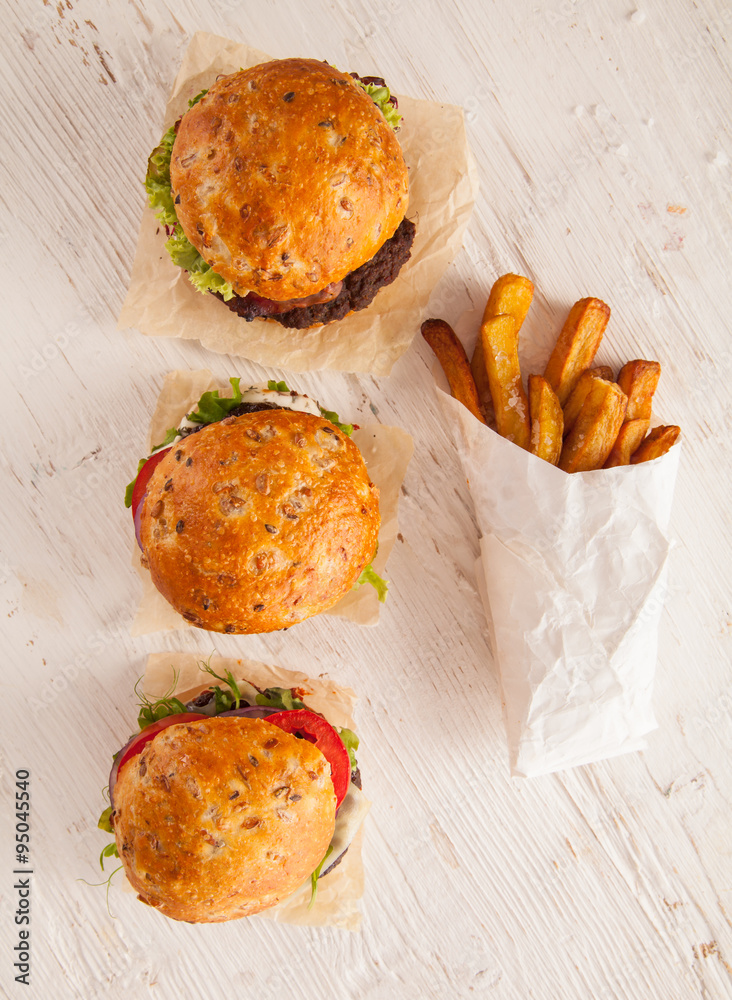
212	407
170	435
369	575
381	97
197	98
105	820
131	486
205	279
201	274
181	250
105	823
157	181
350	742
331	415
281	698
315	876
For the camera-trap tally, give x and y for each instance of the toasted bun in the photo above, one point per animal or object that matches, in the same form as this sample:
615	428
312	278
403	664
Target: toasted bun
259	521
286	177
219	819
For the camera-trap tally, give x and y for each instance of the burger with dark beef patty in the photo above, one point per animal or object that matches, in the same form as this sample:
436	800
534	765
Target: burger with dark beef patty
283	191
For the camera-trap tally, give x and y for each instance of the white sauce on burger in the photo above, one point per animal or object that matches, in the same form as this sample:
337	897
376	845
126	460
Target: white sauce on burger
260	394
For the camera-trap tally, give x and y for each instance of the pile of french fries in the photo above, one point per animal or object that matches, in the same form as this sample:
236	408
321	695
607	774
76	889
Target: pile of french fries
575	416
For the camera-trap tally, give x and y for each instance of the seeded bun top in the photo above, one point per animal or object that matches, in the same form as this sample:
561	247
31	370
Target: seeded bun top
259	521
220	819
286	177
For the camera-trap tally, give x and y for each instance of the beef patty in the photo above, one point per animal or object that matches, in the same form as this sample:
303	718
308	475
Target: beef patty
358	291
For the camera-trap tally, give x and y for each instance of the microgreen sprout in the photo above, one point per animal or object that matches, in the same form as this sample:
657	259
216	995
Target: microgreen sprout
153	711
227	679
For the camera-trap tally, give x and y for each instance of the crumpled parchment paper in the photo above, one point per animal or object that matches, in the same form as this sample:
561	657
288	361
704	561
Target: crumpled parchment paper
386	451
443	178
573	577
180	674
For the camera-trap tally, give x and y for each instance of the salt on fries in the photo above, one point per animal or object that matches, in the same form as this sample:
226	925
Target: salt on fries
638	380
511	296
576	416
499	338
547	420
589	442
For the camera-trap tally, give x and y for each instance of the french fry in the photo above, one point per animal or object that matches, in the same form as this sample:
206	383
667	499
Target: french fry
500	354
638	380
547	421
577	398
576	345
589	442
629	438
480	377
451	355
658	442
604	422
511	295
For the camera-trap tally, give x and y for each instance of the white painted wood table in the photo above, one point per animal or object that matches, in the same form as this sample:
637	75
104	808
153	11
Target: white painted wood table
602	139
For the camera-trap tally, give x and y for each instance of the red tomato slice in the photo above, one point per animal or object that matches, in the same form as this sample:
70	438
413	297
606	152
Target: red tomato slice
143	478
311	727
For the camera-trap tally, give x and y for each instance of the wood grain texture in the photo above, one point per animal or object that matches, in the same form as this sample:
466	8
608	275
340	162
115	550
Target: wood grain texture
602	138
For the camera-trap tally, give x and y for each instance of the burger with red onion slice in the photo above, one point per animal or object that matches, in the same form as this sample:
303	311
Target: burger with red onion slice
225	805
283	191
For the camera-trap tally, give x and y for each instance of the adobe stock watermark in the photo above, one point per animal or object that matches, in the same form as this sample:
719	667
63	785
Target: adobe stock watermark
41	359
97	472
22	882
709	373
717	716
702	45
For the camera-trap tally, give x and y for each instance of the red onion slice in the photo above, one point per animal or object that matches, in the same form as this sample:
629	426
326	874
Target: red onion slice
254	712
115	768
136	518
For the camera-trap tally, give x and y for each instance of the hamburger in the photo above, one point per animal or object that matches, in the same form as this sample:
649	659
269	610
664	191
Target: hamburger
283	191
257	512
225	805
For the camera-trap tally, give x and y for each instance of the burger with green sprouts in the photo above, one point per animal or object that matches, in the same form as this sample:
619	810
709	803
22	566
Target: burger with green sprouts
223	805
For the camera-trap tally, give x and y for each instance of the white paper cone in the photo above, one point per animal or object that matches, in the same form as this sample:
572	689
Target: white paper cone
573	570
